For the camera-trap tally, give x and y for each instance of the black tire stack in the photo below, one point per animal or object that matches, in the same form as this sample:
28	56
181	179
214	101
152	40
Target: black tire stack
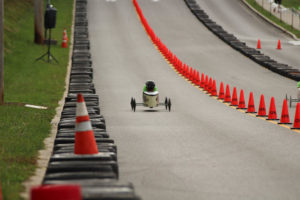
97	174
253	54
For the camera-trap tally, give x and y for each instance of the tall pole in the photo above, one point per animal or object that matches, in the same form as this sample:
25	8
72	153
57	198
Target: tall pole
38	22
1	52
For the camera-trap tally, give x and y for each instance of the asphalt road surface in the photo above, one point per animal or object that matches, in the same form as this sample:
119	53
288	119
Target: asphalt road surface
202	149
238	19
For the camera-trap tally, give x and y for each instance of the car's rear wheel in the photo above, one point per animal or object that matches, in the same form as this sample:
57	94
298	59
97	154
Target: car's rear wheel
169	104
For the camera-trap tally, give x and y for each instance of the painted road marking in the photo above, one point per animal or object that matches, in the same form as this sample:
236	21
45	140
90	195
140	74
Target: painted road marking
296	43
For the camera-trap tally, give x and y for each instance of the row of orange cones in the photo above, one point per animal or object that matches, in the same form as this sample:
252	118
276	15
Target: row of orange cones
209	85
258	46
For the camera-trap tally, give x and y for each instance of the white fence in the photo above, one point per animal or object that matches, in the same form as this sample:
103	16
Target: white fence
290	16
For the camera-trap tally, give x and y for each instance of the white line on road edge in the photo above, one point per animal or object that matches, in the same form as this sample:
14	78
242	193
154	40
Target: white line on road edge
296	43
37	107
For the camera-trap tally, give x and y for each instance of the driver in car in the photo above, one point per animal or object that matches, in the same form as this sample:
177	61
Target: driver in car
150	86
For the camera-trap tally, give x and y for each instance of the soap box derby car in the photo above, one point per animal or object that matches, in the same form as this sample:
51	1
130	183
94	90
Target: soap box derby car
151	98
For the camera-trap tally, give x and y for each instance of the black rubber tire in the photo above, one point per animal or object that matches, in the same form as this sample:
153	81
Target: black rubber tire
131	103
166	103
134	105
169	105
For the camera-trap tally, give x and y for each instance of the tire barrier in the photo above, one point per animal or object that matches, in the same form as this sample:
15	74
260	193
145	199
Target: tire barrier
207	84
253	54
83	152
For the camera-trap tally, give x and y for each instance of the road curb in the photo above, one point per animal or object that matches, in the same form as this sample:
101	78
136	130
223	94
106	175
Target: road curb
269	21
253	54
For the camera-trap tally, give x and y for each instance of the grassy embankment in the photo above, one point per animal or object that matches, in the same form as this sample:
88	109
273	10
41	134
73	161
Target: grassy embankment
287	3
291	3
22	130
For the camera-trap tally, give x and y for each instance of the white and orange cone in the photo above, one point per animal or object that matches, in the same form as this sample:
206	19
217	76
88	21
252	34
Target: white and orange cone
64	43
85	142
65	34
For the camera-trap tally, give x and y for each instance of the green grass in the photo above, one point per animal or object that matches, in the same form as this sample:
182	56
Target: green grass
273	18
291	3
22	130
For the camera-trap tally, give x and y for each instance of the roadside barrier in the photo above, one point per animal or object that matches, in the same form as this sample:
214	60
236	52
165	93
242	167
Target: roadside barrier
242	104
262	107
279	45
252	53
85	142
227	98
285	117
234	100
83	152
258	44
251	106
272	110
296	124
206	84
221	92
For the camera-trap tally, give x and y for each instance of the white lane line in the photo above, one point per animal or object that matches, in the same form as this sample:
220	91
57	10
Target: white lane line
296	43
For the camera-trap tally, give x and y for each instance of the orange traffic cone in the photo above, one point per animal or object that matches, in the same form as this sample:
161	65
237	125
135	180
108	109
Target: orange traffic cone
206	83
227	94
262	107
272	111
251	106
209	87
234	101
197	82
202	82
242	104
85	142
279	45
194	76
214	89
258	44
57	192
65	34
187	74
221	91
191	74
285	117
184	70
64	43
297	117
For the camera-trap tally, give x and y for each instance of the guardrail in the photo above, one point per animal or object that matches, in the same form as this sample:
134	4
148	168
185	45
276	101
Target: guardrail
290	16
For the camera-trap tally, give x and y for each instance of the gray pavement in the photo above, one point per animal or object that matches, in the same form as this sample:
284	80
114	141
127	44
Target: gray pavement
203	149
236	18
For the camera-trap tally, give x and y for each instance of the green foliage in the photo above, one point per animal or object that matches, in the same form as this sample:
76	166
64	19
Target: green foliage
22	130
291	3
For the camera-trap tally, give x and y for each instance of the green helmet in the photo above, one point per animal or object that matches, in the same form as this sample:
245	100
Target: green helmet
298	84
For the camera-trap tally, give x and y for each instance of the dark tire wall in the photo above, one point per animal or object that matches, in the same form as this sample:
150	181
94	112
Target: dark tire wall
97	174
230	39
